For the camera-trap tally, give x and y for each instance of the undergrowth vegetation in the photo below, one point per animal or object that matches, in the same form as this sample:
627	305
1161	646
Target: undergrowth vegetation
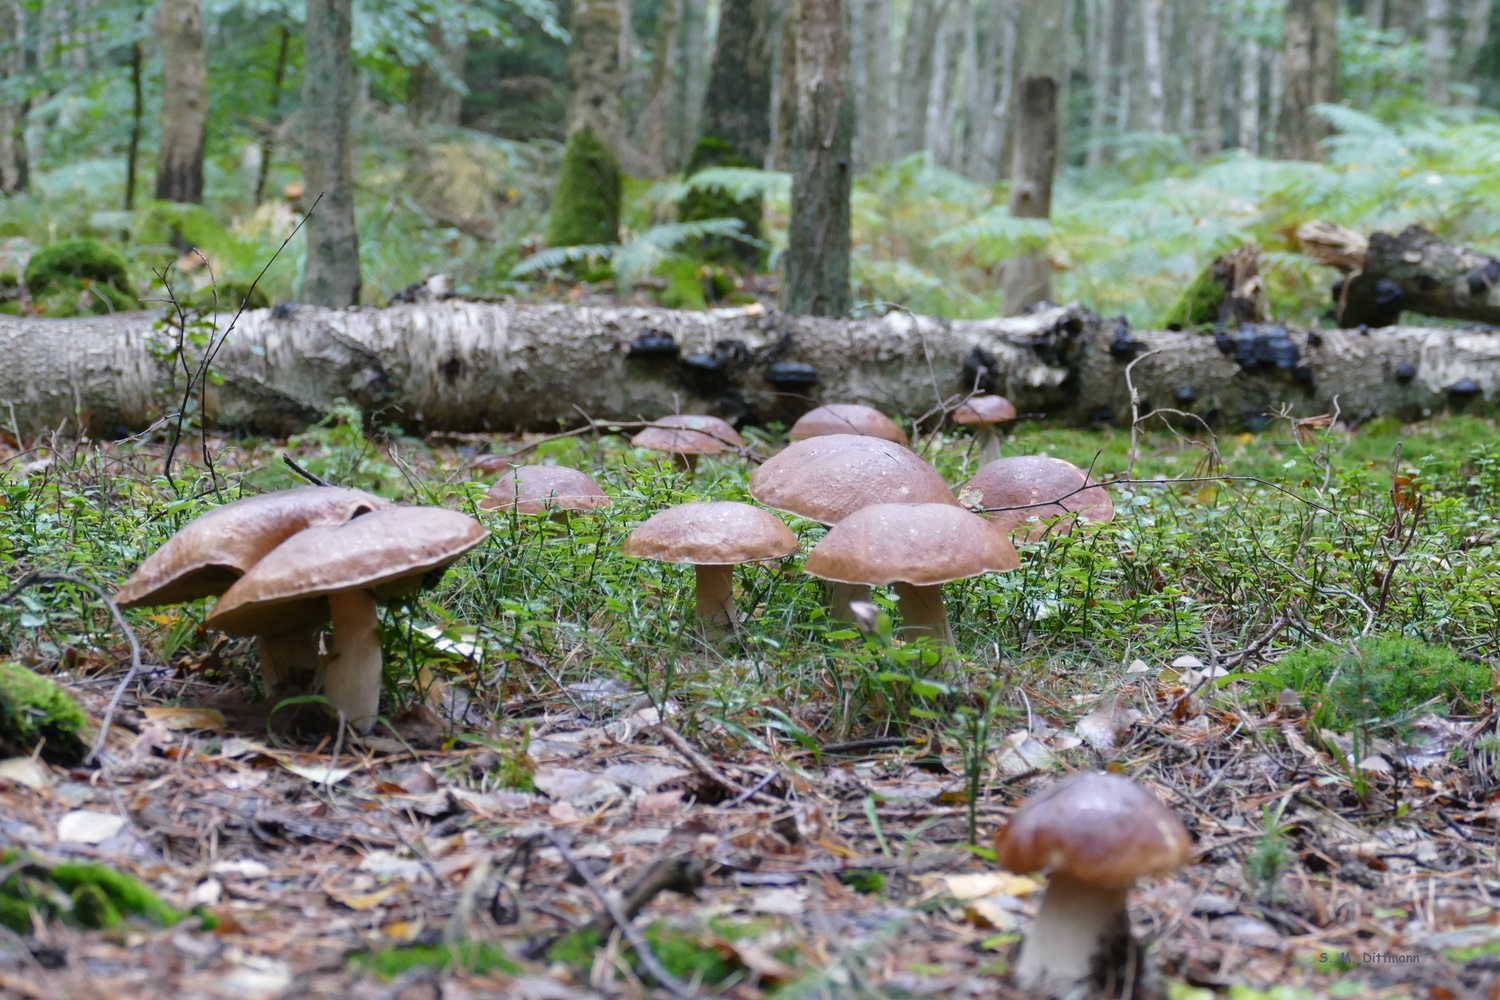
1274	542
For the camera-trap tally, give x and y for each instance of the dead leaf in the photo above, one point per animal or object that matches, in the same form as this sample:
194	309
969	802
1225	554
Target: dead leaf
25	771
368	900
178	718
646	777
82	826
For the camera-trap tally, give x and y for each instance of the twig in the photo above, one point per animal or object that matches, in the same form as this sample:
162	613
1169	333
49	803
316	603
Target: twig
705	767
643	951
299	470
39	576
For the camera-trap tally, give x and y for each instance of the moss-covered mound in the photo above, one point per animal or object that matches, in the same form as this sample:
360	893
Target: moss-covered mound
716	203
33	711
586	208
79	277
78	894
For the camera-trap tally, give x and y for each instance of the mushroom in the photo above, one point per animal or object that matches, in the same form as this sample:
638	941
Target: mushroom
826	478
685	436
337	573
1094	835
918	547
846	418
536	489
1016	491
207	556
714	536
989	414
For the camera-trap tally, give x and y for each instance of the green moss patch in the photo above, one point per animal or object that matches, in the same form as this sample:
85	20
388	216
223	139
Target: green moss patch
472	956
78	894
80	277
1198	305
586	207
687	955
715	203
34	710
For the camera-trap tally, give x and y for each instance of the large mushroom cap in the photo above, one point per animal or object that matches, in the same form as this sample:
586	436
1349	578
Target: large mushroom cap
207	556
828	478
921	544
534	489
985	410
711	533
846	418
384	550
1097	828
688	434
1034	479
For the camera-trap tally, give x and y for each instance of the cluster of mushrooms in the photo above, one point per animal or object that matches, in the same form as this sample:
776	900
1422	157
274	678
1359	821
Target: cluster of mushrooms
287	566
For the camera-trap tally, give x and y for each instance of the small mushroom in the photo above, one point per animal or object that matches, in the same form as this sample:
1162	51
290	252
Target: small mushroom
714	536
685	436
538	489
1024	490
212	552
1093	835
338	573
846	418
990	415
918	547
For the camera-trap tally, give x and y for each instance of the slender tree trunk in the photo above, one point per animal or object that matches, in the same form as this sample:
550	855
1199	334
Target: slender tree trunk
1156	91
936	125
653	128
1438	51
876	126
737	107
1476	33
268	136
331	277
817	256
1377	14
1122	25
1207	87
859	66
991	154
1034	132
968	98
918	52
594	66
1101	74
430	99
1309	75
692	81
784	96
14	162
1249	94
137	116
184	100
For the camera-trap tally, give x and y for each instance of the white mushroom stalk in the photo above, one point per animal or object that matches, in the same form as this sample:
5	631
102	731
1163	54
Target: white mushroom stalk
1078	925
925	615
352	672
716	601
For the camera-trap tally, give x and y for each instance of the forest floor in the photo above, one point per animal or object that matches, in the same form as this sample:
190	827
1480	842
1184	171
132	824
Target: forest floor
452	855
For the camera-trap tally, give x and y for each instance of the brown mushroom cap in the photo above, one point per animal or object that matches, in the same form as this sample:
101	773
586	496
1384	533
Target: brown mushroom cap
1098	828
846	418
208	555
985	410
688	434
828	478
385	550
535	489
921	544
1031	479
711	533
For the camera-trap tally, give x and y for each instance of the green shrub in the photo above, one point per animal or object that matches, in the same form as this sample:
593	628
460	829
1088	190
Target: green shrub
79	277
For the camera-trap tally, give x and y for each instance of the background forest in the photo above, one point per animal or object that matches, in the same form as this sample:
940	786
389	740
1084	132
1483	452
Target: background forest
1186	128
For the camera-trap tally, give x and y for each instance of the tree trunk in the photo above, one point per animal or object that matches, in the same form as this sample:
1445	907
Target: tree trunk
991	163
784	93
1156	90
1476	33
431	99
875	114
817	255
1416	272
594	66
1101	76
137	116
918	52
938	133
1207	127
1309	75
331	275
1034	135
14	161
693	80
268	136
652	129
477	366
184	100
737	107
1438	51
1249	95
1120	63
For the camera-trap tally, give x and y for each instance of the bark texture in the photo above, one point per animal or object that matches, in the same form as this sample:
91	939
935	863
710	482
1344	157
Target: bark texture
1417	272
471	366
918	59
1437	50
737	107
1309	76
652	128
331	277
817	256
594	65
184	100
14	162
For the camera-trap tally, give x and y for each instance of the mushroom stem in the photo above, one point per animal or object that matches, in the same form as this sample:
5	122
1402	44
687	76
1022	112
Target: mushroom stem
351	677
288	662
716	601
987	444
923	613
841	595
1077	925
685	462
